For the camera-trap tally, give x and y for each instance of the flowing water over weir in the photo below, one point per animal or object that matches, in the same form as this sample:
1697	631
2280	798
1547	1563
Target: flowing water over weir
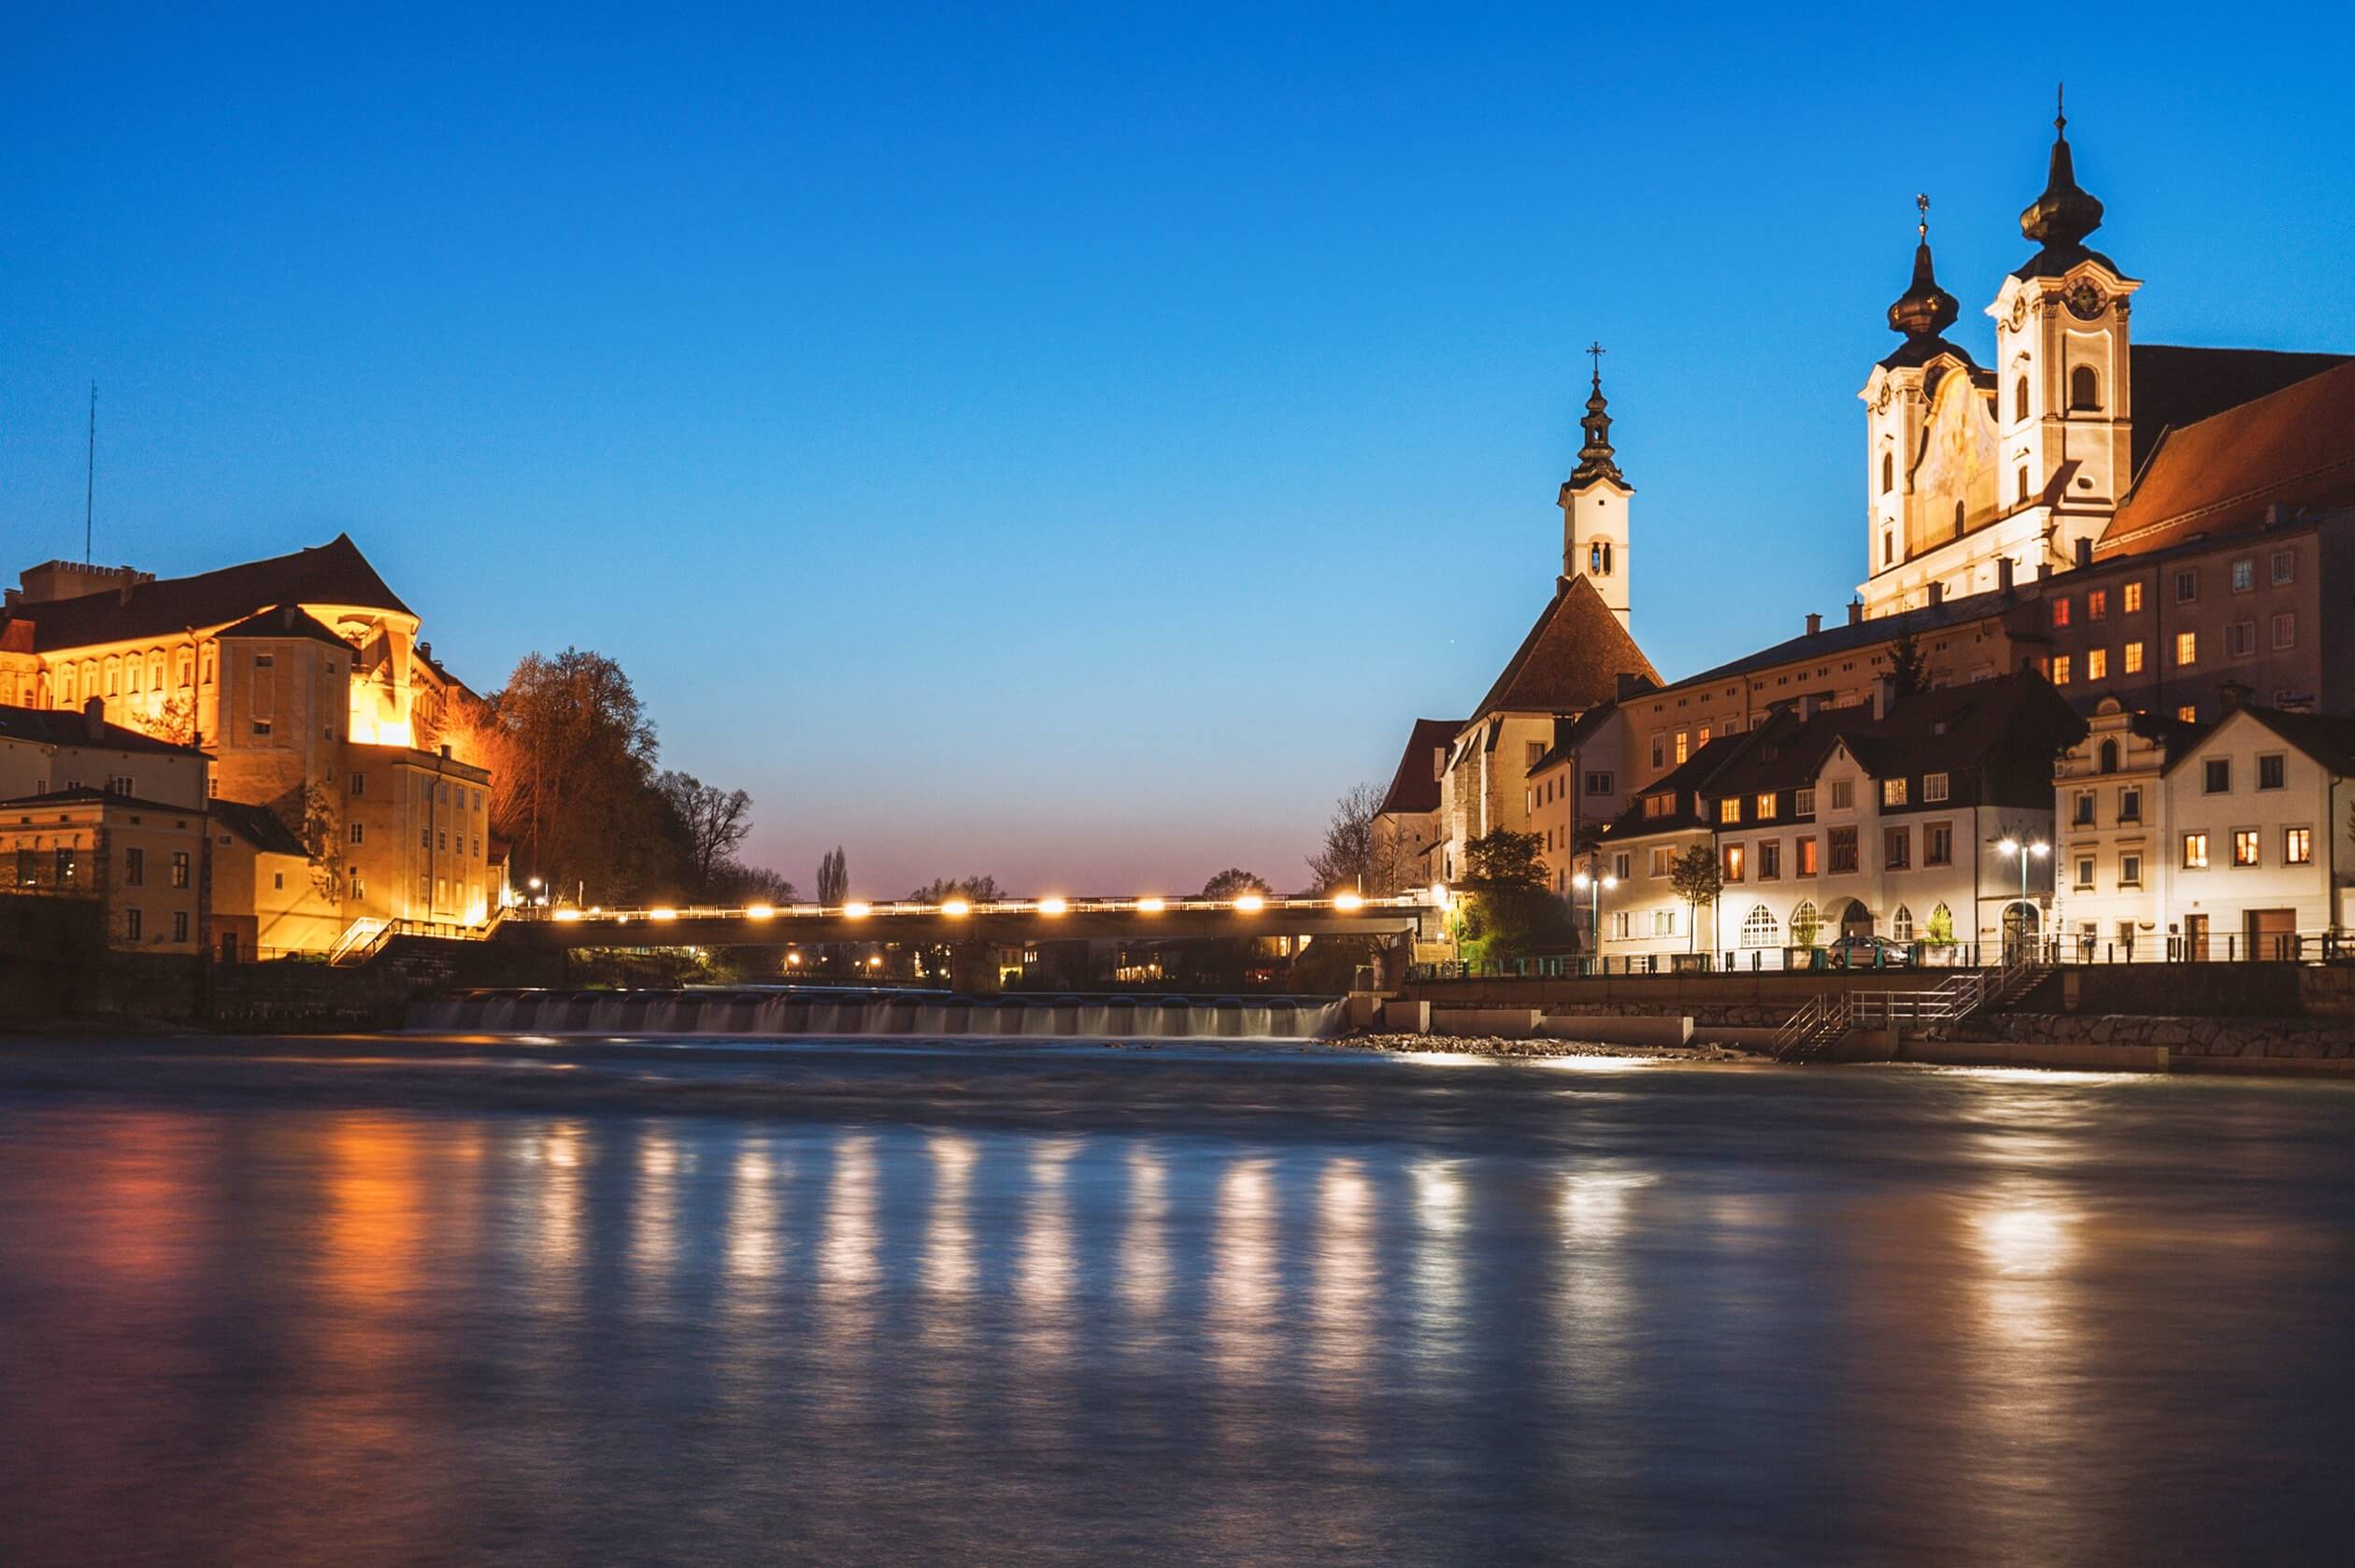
932	1014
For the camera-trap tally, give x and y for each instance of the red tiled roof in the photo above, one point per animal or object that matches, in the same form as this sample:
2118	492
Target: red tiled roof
1572	659
70	726
334	573
1415	787
2294	447
2176	386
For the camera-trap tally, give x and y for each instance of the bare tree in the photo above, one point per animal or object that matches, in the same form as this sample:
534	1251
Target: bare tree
834	876
1347	861
712	823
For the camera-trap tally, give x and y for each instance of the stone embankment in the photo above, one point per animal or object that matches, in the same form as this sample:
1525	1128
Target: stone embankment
1529	1048
2302	1039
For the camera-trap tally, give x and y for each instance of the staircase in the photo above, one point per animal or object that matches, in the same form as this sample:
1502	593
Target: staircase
1829	1017
1814	1029
360	941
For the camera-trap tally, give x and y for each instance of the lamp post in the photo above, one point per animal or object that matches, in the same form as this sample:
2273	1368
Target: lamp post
1593	887
2009	846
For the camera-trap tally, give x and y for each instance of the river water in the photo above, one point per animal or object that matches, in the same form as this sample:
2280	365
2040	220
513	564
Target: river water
375	1303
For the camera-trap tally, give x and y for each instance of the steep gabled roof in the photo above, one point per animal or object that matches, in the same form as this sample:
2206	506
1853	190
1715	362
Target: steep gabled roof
334	573
1687	780
1572	733
258	826
2176	386
2294	447
1414	789
284	620
47	726
2329	740
1572	659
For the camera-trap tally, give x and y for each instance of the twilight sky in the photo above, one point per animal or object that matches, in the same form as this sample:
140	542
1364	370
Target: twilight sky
1067	444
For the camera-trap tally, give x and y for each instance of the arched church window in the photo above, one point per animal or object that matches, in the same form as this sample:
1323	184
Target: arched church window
2019	398
1806	924
1958	520
2109	756
2022	477
2085	388
1900	925
1889	472
1760	928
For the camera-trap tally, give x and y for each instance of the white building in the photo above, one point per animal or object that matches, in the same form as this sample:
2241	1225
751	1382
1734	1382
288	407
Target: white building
2259	834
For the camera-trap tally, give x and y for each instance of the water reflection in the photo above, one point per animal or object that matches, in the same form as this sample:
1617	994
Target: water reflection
1244	1296
1144	1258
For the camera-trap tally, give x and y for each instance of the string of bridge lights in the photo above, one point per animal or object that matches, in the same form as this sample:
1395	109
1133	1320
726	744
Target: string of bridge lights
959	909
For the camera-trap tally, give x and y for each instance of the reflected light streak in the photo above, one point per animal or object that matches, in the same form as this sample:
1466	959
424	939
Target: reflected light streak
948	1267
846	1252
1244	1293
1144	1282
1342	1284
1043	1275
754	1212
654	1210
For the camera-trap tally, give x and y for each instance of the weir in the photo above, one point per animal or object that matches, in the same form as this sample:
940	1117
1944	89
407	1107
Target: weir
782	1012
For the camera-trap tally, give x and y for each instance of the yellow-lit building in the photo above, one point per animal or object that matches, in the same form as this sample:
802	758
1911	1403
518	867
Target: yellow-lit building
301	679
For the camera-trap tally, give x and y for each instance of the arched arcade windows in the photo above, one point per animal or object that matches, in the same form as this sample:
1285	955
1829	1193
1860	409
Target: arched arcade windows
1599	559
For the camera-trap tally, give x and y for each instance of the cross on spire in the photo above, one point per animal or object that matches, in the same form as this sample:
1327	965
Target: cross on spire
2060	106
1595	457
1923	202
1596	351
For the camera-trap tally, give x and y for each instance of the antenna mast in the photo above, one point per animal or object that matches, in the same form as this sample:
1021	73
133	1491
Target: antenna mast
90	475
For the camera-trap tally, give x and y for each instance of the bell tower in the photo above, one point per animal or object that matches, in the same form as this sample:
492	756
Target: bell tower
1594	501
2065	402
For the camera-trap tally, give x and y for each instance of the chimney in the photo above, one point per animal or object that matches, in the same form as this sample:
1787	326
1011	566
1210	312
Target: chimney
122	594
2084	552
2003	574
2043	571
94	716
1937	593
1815	624
1856	612
2276	513
1884	695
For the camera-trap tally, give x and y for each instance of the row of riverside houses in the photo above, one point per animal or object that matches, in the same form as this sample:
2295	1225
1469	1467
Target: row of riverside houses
248	762
2145	534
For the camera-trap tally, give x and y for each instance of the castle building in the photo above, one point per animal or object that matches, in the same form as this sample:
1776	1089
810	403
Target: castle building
302	681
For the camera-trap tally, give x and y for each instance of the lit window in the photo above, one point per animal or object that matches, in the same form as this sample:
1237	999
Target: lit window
2187	649
2195	851
2096	604
1736	857
1806	857
2061	672
1730	809
1683	748
2297	845
1765	806
2129	598
2189	713
2097	663
2133	660
1892	791
2245	846
2060	611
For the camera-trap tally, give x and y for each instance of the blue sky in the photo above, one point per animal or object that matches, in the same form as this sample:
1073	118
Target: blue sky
1069	444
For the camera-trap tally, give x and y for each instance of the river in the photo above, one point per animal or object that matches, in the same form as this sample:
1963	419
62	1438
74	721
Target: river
413	1301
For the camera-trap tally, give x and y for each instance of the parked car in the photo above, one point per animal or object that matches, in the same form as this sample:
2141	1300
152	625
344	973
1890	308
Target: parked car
1869	952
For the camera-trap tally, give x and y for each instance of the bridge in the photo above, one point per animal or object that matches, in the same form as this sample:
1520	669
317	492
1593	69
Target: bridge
1002	922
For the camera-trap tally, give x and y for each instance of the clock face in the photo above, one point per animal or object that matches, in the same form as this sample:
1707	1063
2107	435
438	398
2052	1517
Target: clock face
1884	397
2085	300
2020	311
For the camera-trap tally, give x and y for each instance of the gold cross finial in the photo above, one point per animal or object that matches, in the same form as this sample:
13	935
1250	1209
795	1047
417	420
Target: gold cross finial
1922	202
1596	351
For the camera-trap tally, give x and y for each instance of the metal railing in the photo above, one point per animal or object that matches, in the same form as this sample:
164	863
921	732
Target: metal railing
2304	947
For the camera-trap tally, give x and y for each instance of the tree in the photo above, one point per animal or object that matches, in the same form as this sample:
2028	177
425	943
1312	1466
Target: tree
571	754
1234	881
1907	665
712	824
1347	861
834	877
175	721
973	890
1698	879
1807	925
749	884
1507	909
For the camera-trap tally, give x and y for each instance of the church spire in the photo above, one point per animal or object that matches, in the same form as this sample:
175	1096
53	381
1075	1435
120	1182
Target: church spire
1596	459
2062	218
1923	310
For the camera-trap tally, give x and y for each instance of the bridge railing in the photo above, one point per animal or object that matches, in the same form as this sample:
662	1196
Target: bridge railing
887	909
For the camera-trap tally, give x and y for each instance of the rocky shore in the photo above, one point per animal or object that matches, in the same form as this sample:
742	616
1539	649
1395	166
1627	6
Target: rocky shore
1489	1045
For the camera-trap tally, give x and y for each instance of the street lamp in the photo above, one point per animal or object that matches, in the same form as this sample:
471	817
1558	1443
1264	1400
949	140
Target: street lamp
1593	887
2009	846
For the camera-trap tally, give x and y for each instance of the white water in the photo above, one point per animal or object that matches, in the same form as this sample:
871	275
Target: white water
926	1015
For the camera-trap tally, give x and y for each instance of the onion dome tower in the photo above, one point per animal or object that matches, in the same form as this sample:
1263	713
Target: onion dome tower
1594	500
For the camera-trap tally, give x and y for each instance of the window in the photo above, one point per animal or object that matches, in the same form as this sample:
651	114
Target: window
134	925
1892	791
1736	857
260	726
441	841
2271	771
2130	804
2019	398
2285	630
2129	598
2130	871
1684	748
2061	670
1659	749
359	784
1664	922
1619	925
2195	851
2060	611
2187	649
2096	604
1843	850
1620	864
1760	929
277	880
1933	787
2187	584
179	925
1598	783
2085	390
1659	806
2240	639
1901	924
1764	805
1802	802
135	868
1730	809
2097	663
2132	662
2297	845
2284	566
2216	777
1937	843
359	832
1532	754
2022	478
1897	848
424	839
1702	738
1664	861
1805	850
359	885
1770	859
1843	793
2084	873
1889	549
2244	846
2082	815
179	868
264	660
1889	472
